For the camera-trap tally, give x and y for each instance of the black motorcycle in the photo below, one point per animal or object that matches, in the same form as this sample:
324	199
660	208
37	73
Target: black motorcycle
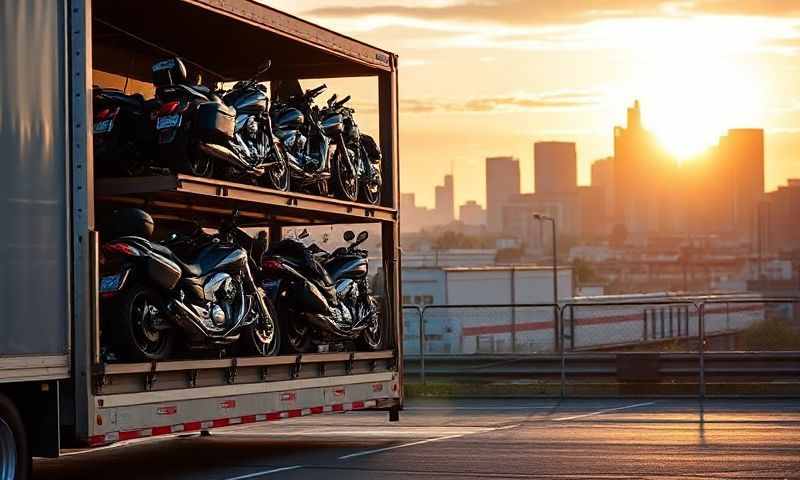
152	296
315	145
124	144
366	151
322	299
198	127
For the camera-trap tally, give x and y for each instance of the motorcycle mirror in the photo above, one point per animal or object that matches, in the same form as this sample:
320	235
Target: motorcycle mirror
332	100
349	236
362	236
264	66
303	234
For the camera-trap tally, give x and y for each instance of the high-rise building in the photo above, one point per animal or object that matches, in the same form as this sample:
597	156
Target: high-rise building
781	216
555	167
472	214
741	152
445	204
603	179
645	199
502	182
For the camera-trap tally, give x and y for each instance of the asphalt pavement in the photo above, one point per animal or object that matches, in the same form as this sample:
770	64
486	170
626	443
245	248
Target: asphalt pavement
467	439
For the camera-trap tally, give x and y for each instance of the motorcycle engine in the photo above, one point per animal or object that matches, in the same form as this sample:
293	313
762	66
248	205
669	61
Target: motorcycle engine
220	291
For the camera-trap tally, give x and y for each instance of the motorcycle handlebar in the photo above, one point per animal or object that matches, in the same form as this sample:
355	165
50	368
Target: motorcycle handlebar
314	92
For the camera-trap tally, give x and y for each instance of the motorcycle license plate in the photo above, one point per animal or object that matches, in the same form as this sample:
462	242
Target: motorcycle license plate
104	126
170	121
111	283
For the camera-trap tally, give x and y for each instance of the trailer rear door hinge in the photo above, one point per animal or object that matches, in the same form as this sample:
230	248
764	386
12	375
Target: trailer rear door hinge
232	372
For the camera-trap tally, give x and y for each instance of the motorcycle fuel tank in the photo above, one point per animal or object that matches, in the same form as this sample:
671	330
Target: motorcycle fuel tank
349	266
290	119
332	125
247	100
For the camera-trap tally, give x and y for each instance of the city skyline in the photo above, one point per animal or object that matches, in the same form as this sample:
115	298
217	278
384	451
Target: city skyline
699	67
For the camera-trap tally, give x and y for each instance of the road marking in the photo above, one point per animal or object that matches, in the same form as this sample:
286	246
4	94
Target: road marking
607	410
265	472
500	408
420	442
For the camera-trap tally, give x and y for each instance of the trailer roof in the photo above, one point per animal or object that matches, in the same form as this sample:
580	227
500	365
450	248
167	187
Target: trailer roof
226	39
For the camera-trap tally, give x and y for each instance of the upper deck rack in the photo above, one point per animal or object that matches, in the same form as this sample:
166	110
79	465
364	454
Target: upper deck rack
183	195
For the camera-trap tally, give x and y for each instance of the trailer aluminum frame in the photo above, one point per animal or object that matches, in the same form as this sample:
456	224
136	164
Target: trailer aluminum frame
138	405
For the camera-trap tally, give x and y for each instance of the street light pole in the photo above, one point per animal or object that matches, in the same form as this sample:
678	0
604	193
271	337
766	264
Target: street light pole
556	330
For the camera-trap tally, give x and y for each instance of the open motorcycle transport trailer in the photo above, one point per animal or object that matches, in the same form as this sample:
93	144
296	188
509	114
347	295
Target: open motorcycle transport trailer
55	389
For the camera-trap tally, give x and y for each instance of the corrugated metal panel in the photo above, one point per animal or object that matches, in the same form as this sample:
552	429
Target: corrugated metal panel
33	198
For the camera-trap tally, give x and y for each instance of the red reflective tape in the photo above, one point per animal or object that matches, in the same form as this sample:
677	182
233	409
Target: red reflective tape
112	437
162	430
377	387
339	392
227	404
189	426
220	422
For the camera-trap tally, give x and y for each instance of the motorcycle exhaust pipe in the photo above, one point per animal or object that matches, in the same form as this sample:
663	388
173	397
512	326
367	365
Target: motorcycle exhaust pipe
223	153
186	319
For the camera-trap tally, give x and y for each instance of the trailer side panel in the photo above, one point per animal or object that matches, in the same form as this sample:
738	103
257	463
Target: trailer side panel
34	201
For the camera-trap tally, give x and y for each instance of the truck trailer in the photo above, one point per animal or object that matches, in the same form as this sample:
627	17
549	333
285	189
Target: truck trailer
57	389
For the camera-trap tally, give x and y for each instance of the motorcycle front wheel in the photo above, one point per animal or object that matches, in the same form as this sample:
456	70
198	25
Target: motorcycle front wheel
277	176
134	331
345	179
258	340
374	337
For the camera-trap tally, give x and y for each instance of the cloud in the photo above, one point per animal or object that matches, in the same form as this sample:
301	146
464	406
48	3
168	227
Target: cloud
510	12
549	101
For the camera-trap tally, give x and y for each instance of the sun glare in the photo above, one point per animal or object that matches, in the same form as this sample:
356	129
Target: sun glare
693	90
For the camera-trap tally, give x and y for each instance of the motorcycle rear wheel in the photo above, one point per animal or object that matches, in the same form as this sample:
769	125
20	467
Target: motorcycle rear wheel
345	181
277	176
133	334
186	158
298	337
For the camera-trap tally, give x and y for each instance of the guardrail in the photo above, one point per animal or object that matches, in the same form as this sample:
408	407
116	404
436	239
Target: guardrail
674	320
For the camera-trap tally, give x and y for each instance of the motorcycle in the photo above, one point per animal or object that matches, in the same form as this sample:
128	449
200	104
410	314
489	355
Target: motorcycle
315	146
124	144
151	295
366	152
321	298
199	127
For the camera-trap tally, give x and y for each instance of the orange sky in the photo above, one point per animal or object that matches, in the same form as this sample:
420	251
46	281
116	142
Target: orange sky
483	78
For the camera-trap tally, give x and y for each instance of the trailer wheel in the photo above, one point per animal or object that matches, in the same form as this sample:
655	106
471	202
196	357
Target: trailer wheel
15	457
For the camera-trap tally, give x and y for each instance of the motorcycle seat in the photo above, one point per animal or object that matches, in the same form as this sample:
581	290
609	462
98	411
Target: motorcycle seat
135	101
189	269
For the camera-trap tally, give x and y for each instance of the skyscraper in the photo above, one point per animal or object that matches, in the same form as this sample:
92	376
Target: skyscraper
742	151
502	182
445	205
555	167
645	200
603	179
472	214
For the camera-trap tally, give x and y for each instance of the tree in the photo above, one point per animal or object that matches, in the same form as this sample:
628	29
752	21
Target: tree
584	272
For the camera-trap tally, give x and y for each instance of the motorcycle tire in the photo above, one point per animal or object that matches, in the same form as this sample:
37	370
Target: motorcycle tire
374	340
187	159
253	341
131	337
369	194
296	340
345	182
277	177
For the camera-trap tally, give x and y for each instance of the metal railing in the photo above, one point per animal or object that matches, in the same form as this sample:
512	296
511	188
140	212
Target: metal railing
663	327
